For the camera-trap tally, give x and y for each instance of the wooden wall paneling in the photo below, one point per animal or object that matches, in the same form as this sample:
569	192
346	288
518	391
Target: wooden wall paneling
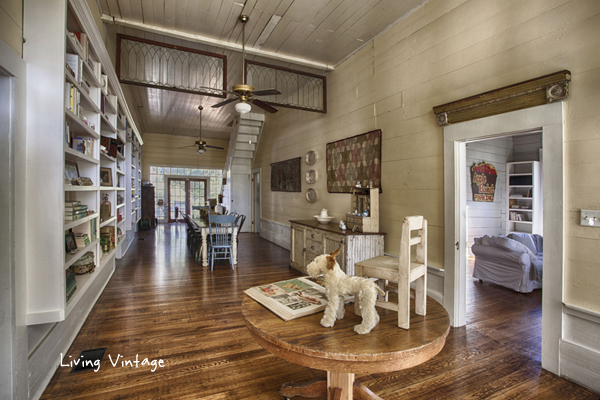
148	12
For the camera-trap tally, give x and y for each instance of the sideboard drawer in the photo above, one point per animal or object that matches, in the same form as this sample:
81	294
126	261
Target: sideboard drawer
314	246
314	234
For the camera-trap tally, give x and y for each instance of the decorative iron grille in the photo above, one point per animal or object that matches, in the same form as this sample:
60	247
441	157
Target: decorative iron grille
147	63
298	89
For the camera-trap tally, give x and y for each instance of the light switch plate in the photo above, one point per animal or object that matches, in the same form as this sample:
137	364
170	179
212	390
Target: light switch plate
590	218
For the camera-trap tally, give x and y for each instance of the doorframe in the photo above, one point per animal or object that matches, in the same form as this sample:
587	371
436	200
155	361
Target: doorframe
255	220
550	119
187	180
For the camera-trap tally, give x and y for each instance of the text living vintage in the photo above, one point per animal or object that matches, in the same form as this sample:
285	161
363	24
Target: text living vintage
154	364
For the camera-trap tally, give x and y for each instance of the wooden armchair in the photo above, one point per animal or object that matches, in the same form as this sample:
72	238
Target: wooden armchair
402	271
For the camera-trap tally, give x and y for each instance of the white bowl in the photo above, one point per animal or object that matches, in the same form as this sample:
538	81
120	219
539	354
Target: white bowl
323	220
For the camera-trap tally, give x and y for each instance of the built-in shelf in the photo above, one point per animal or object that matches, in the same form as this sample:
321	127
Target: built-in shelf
108	221
77	188
107	157
78	127
74	155
71	258
77	222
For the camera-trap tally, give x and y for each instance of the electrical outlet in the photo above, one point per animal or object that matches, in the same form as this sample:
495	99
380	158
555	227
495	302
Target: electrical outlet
590	218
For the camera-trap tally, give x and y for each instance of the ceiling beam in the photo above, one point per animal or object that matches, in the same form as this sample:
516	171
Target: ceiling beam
214	42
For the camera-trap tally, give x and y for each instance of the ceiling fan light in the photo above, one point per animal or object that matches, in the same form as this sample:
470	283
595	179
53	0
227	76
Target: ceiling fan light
243	107
201	151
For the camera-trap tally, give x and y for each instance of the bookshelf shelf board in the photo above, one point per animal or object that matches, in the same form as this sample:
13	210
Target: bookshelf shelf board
107	157
120	124
120	172
108	221
120	189
71	258
523	174
79	127
520	222
107	256
120	156
86	102
120	205
107	188
120	223
76	188
89	74
520	186
109	107
105	124
73	45
77	222
520	198
520	209
74	155
83	283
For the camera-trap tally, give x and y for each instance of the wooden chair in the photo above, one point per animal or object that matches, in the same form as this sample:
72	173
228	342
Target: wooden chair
401	270
220	238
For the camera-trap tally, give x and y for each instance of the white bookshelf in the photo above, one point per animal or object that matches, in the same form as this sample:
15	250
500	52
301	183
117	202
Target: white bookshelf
49	150
525	202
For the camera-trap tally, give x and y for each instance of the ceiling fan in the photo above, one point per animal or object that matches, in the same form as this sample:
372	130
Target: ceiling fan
246	94
202	146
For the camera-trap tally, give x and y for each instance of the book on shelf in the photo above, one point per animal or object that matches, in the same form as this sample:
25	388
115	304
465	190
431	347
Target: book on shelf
76	216
75	65
81	41
72	203
72	99
93	233
75	207
292	298
71	292
82	239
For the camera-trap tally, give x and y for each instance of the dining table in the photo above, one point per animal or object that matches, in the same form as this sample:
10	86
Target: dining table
202	224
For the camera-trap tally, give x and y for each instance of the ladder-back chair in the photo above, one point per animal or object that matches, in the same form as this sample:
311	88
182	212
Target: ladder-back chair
402	271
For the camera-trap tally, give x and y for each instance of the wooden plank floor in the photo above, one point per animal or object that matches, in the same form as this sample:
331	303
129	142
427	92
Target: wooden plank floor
160	305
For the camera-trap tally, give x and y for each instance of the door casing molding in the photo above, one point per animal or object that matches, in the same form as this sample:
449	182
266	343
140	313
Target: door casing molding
551	121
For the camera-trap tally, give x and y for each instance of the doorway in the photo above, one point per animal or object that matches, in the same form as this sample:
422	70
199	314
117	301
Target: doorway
255	226
548	119
185	196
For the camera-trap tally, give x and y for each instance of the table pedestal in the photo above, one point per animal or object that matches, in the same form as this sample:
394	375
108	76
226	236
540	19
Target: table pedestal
338	386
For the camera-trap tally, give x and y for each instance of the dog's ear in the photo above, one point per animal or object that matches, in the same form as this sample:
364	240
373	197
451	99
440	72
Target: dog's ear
331	258
335	253
330	262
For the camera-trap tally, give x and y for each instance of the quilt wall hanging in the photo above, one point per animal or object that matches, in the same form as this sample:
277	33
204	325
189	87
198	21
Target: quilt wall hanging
285	176
355	159
483	181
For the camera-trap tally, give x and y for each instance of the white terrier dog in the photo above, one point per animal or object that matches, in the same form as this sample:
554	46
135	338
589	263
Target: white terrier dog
337	285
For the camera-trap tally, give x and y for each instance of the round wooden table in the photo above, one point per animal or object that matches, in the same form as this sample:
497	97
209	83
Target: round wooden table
341	352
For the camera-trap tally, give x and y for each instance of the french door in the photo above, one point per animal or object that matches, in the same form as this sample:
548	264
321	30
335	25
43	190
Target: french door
184	195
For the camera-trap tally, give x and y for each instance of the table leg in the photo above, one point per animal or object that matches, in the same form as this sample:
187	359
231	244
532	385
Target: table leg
339	385
204	249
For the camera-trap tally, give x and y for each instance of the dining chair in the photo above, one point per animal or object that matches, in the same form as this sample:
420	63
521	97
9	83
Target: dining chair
220	233
402	271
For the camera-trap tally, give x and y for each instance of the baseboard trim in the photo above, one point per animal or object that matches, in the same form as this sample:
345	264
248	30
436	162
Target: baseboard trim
276	233
580	365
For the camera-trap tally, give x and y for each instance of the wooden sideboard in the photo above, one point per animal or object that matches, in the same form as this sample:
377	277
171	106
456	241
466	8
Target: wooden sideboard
310	239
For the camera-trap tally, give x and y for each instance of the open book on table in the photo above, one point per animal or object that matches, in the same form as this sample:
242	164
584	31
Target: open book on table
293	298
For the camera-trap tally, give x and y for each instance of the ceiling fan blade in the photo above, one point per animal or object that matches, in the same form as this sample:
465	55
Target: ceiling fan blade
185	147
214	147
266	92
264	106
221	104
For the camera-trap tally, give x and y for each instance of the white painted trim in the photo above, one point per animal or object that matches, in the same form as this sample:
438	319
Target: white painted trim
581	312
13	342
214	42
580	364
550	118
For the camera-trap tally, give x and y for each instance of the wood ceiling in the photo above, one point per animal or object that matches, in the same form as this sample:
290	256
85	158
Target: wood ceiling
318	31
